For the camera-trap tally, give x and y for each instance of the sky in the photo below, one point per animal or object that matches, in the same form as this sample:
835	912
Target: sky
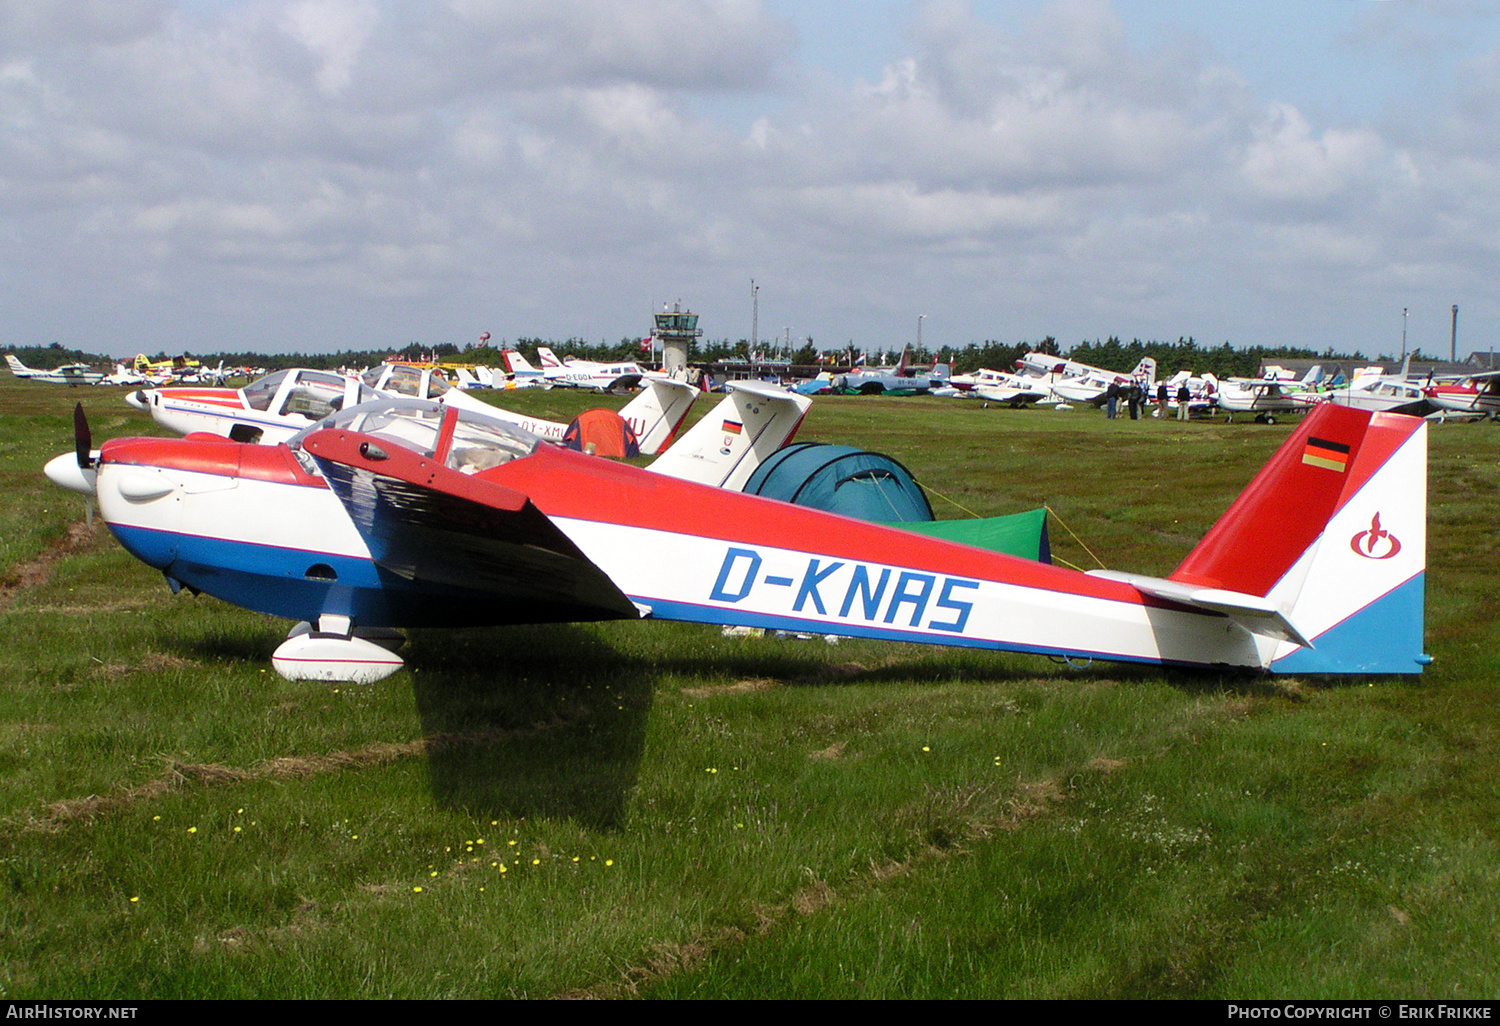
319	175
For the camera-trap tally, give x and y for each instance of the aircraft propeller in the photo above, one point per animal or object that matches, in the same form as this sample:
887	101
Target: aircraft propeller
83	439
75	471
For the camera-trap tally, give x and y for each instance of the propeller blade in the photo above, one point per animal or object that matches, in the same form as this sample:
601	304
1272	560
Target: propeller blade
83	440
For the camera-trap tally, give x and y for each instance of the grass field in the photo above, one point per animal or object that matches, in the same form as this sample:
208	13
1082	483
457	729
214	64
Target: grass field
653	810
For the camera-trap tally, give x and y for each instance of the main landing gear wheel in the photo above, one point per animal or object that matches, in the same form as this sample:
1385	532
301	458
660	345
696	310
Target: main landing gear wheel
334	651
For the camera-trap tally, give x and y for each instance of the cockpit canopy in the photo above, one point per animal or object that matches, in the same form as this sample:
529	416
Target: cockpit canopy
313	394
403	379
468	442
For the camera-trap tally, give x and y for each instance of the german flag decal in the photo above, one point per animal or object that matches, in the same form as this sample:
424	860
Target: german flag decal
1328	455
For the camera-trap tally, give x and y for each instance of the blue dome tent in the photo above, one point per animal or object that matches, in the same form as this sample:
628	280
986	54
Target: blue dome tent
841	479
871	486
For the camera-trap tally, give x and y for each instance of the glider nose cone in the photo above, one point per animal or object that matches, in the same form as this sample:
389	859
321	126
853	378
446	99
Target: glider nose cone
65	472
138	399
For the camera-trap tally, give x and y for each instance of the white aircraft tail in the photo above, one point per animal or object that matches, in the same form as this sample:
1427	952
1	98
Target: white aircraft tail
1323	557
18	368
1145	369
657	412
548	357
516	363
724	448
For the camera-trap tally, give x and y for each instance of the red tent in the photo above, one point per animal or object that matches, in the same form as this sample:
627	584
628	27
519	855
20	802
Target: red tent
603	433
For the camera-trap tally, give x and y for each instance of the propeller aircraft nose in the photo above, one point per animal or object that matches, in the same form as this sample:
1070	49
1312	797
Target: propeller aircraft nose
65	472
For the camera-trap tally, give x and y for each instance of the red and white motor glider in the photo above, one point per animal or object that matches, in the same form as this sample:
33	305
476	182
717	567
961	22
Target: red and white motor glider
402	513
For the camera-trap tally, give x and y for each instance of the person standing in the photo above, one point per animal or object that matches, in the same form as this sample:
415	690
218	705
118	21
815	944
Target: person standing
1161	400
1111	399
1184	402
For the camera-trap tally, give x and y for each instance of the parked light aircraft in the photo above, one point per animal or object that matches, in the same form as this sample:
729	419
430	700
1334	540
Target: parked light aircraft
1067	381
67	374
1383	392
900	380
280	404
1092	385
268	410
998	387
605	377
409	514
520	373
1477	393
178	368
123	375
1268	396
1203	390
982	376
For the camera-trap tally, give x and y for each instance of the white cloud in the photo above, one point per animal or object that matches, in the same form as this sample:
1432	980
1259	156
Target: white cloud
79	22
683	44
336	30
1286	161
560	163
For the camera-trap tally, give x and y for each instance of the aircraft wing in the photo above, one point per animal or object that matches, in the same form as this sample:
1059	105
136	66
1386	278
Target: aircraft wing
460	534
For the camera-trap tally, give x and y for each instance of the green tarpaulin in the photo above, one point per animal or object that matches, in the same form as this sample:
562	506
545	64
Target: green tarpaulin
1020	534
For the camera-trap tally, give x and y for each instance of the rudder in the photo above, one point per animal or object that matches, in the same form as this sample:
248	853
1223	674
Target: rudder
1333	531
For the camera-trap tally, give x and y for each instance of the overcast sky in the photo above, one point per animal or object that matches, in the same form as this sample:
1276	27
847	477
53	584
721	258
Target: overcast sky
329	174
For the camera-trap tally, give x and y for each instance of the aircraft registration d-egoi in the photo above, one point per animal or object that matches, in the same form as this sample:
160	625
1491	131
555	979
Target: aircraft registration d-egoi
403	513
568	372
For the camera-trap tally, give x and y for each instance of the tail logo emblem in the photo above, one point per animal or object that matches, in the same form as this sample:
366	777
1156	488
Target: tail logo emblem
1376	543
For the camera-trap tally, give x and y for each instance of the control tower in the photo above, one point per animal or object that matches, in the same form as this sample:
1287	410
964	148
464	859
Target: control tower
675	329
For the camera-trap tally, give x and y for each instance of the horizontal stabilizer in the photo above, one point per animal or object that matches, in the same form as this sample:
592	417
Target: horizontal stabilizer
1257	615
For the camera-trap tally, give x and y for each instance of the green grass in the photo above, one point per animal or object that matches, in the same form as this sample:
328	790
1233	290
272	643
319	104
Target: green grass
684	815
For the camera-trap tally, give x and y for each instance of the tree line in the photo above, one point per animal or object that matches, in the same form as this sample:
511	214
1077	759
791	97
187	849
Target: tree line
1224	361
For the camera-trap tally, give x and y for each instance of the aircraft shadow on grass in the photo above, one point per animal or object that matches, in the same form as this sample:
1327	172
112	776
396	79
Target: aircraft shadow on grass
531	721
550	720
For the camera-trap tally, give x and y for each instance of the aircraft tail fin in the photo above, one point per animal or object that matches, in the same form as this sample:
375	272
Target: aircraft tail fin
1146	370
657	412
548	357
1332	534
724	448
516	363
17	368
